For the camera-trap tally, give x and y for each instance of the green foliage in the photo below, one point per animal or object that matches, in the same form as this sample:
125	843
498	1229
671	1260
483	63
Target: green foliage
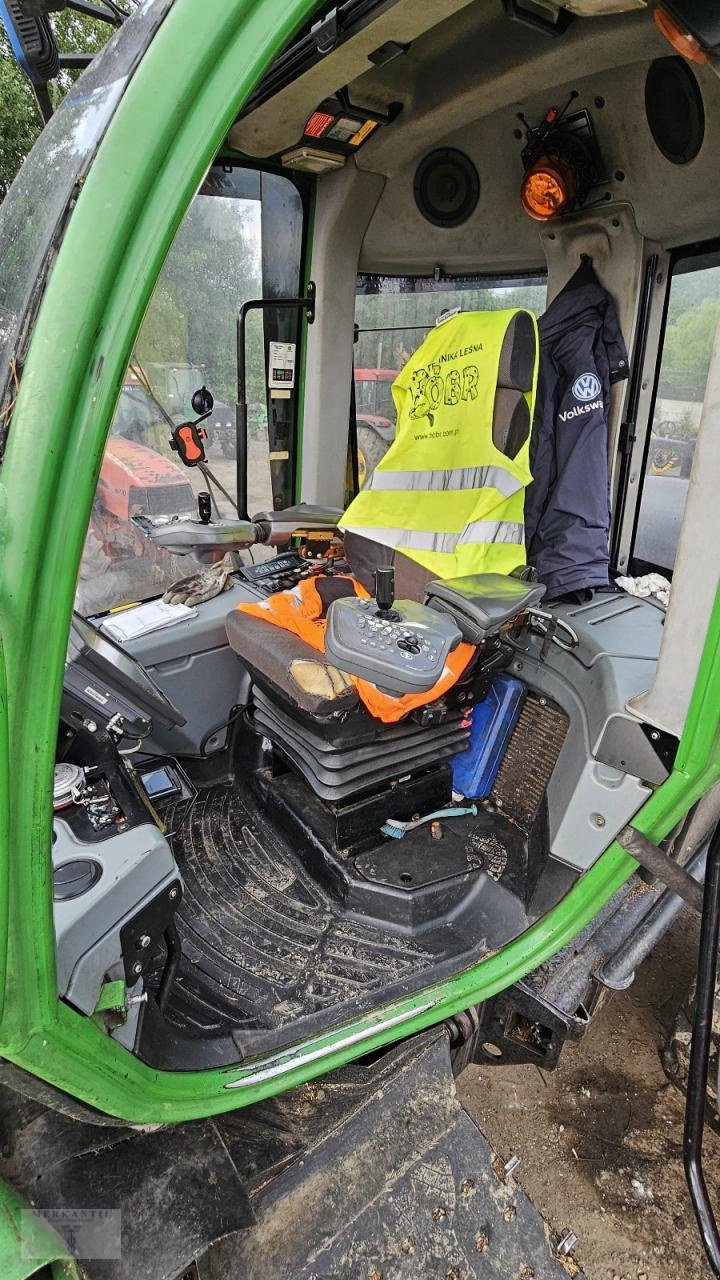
393	324
20	120
689	340
164	329
212	267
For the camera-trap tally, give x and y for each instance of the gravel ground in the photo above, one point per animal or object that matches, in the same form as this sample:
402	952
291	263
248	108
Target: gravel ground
600	1138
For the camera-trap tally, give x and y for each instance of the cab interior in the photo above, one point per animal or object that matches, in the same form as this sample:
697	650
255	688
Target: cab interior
218	839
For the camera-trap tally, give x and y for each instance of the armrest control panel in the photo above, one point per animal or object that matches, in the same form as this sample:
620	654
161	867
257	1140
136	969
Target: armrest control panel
402	650
184	536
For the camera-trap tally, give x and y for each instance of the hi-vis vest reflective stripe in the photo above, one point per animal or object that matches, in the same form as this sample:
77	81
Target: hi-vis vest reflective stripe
443	494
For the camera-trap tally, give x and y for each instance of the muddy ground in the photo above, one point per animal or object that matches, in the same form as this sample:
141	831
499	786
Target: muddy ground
600	1138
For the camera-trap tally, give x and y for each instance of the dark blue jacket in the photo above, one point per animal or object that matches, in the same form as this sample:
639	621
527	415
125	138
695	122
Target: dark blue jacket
567	506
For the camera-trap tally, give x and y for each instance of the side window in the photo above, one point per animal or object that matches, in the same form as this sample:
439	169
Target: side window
692	319
393	315
188	340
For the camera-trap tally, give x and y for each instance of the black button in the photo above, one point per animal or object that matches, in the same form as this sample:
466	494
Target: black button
408	646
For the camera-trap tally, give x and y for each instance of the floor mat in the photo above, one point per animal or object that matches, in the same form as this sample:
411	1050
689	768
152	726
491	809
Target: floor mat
263	944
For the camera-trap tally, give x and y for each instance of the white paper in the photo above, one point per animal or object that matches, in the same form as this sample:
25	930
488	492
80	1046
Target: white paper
153	616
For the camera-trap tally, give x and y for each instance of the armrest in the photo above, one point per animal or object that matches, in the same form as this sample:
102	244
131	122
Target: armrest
482	603
278	527
184	536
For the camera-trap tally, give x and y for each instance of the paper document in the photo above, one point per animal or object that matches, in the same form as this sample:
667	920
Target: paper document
153	616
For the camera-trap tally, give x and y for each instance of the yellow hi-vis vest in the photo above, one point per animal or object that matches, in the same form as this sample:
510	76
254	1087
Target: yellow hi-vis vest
443	494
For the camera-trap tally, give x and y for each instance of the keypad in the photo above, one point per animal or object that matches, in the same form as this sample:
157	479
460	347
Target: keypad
400	654
386	634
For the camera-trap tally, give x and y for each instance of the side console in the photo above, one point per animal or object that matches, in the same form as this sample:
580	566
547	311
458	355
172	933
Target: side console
116	884
112	901
283	572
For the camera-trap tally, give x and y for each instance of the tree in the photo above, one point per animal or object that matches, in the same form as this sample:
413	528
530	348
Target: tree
688	347
394	320
20	120
212	266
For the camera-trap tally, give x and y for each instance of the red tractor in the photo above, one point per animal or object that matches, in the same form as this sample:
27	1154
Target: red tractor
119	564
374	416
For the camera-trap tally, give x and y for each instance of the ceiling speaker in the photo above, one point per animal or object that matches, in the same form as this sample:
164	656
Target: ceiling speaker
674	109
447	187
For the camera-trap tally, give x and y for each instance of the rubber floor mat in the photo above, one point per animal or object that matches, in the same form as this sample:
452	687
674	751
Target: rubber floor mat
263	944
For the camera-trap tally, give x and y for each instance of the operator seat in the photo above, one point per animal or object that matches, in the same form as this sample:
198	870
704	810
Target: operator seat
311	709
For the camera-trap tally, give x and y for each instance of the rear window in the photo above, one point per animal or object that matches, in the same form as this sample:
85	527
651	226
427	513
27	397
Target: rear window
392	316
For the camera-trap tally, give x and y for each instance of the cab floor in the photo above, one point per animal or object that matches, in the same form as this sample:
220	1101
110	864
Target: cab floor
266	948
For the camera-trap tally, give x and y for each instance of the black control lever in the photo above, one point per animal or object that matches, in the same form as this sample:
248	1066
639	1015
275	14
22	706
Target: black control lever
385	591
204	507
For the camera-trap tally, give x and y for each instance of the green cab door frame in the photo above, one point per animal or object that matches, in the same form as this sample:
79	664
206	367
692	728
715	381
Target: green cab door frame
200	67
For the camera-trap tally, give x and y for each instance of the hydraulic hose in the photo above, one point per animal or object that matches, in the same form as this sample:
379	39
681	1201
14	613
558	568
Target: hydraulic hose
172	964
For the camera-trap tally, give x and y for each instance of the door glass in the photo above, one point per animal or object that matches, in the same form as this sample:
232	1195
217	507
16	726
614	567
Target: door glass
692	320
188	340
393	315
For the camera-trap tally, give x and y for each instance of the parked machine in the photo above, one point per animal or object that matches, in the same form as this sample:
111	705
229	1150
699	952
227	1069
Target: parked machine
374	417
382	799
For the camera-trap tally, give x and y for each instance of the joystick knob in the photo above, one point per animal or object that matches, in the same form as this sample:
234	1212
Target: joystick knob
204	507
385	590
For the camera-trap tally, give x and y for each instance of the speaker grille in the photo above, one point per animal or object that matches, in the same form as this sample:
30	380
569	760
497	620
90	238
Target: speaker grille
674	109
447	187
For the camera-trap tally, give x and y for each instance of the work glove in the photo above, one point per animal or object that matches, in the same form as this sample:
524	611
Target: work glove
201	586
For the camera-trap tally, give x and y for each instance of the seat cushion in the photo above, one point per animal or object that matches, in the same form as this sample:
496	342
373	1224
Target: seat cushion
285	666
482	602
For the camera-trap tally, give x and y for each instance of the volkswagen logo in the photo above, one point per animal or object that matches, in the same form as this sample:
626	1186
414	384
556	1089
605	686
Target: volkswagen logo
586	387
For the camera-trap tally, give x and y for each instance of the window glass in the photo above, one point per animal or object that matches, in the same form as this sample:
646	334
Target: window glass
692	319
188	340
32	214
393	315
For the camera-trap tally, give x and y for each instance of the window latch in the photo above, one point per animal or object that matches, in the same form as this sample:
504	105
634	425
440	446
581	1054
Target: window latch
326	33
628	436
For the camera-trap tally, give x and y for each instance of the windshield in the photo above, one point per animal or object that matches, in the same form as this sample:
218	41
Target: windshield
227	251
32	212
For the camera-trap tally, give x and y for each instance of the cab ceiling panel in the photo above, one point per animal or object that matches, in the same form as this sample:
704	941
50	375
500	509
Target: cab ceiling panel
479	62
673	204
278	123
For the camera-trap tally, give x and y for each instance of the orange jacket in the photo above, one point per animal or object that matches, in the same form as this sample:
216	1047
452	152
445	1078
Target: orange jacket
302	611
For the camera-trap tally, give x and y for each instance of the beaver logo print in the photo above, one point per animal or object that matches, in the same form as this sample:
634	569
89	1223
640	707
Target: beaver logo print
430	388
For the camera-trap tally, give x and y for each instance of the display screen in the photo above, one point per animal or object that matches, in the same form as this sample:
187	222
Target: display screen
158	783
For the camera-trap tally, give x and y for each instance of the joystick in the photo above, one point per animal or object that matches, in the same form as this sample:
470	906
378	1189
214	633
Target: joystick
385	593
204	507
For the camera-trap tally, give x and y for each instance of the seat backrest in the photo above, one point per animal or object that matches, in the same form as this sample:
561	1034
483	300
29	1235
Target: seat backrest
511	415
448	494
